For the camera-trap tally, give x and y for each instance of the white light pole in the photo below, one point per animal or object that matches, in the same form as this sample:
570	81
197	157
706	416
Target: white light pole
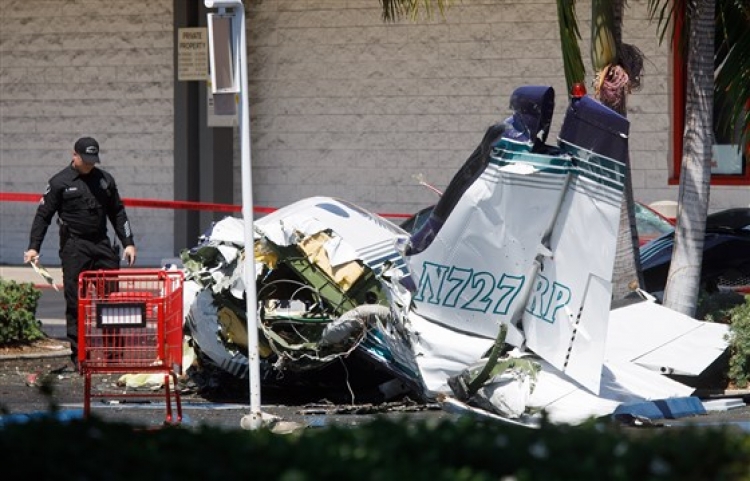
253	420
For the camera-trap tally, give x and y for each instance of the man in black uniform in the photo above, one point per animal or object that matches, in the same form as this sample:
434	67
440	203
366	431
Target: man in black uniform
84	197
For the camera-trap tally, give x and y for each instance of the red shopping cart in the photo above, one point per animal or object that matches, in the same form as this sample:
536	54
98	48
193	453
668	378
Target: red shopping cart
130	321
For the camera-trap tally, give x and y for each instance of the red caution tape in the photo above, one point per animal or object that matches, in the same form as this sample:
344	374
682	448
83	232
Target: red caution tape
13	197
152	203
188	205
165	204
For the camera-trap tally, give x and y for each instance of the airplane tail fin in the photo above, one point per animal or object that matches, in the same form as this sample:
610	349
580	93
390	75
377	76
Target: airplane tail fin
532	116
526	235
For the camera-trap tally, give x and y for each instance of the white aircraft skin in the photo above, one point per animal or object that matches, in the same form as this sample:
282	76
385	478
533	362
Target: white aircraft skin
477	274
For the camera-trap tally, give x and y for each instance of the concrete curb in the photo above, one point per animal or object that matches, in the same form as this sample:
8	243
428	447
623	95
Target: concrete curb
25	274
37	355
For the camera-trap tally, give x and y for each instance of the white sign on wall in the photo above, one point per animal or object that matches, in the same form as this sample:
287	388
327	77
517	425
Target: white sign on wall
192	54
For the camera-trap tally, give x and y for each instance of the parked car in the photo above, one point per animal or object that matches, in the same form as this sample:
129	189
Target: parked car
726	254
650	223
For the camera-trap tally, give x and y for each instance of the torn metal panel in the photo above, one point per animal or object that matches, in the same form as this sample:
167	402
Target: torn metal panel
442	352
204	329
663	340
566	402
673	408
321	296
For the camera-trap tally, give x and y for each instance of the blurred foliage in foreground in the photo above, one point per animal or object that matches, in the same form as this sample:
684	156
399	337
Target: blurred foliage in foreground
463	449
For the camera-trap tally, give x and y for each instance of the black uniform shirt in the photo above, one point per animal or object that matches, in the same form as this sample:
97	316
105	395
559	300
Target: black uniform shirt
83	203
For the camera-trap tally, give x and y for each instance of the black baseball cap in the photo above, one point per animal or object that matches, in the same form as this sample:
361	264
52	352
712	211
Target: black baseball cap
88	149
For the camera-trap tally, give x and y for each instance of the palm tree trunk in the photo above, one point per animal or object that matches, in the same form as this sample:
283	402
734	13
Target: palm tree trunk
627	273
683	280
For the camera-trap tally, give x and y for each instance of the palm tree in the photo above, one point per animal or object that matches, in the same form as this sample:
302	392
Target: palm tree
733	78
617	68
683	279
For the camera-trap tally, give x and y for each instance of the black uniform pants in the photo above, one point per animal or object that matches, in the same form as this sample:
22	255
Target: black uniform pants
78	255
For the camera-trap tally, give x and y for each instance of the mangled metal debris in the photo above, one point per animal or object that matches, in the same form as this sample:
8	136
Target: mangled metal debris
321	295
500	303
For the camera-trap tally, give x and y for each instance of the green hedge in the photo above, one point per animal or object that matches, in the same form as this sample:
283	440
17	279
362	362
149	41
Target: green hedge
387	450
18	303
733	309
739	344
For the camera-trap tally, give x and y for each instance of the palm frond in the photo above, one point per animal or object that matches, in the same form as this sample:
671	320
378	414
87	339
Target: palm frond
575	72
394	10
669	15
603	39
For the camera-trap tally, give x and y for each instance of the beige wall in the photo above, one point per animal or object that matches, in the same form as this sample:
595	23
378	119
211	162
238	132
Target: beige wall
342	104
345	105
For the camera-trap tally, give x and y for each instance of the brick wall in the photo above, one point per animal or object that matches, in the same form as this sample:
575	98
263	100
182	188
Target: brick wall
86	67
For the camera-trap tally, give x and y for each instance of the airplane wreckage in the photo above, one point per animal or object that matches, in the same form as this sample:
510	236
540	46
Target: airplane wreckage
500	303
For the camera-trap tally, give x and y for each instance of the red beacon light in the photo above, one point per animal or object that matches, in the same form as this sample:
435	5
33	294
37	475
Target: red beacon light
578	91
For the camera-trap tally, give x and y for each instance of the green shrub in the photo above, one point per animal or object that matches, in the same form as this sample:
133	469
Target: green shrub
717	306
18	323
731	308
739	344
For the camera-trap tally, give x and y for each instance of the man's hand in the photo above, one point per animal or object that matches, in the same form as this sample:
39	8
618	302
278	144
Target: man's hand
129	255
30	255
